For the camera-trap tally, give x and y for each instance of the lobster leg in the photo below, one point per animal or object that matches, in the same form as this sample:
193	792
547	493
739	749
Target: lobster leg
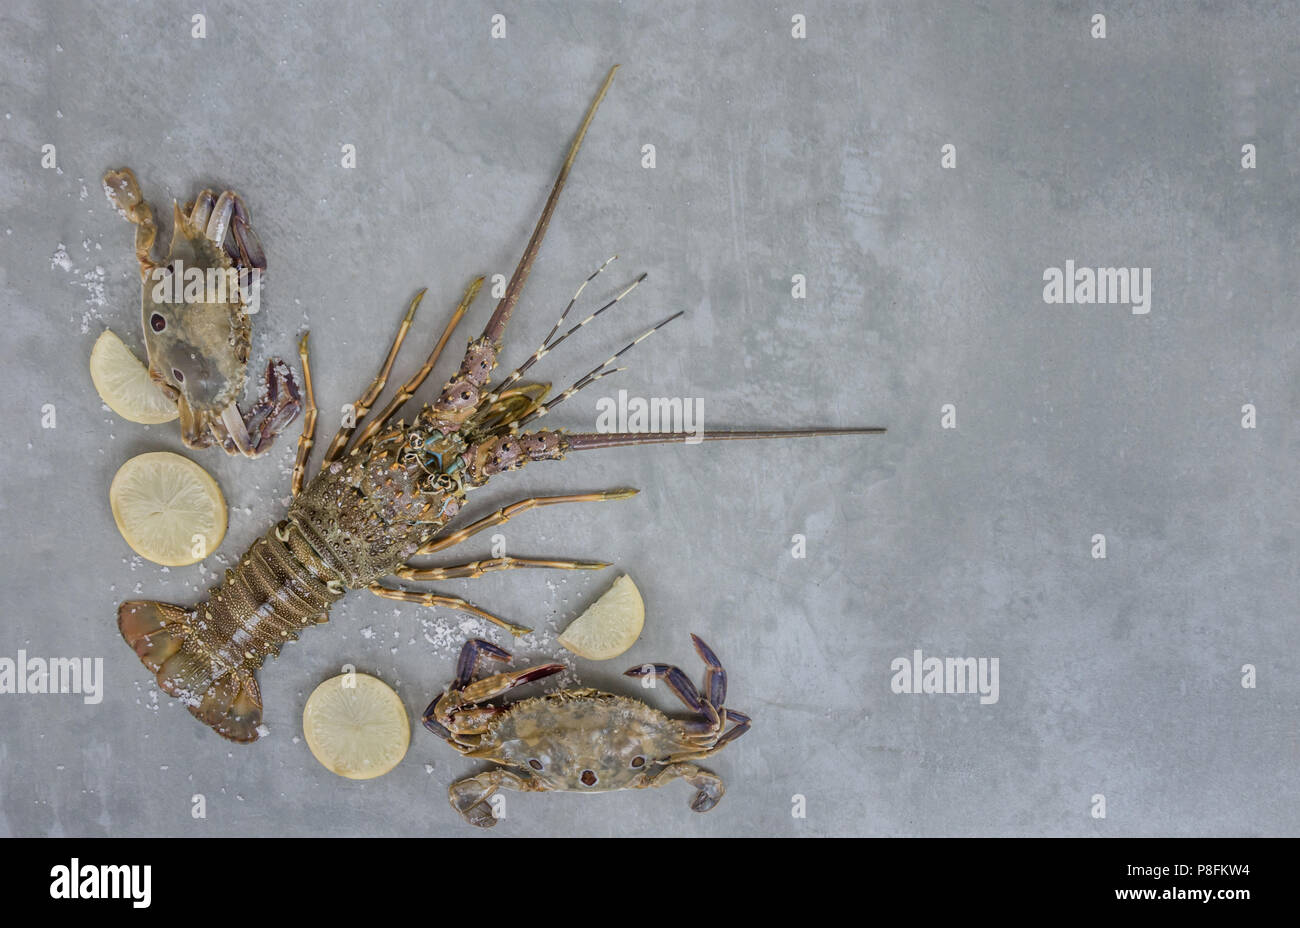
506	513
408	389
367	399
471	797
308	436
709	785
479	568
451	602
123	192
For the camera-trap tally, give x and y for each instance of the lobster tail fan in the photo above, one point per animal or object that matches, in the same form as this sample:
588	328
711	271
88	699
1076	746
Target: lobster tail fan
157	631
160	635
232	706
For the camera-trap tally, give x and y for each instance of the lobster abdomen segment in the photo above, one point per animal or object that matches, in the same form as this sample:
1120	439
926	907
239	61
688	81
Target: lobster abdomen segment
207	655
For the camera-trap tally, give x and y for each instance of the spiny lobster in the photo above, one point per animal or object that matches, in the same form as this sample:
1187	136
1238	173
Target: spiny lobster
370	509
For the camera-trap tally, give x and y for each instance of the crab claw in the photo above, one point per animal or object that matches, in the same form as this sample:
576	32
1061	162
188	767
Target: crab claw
710	790
278	404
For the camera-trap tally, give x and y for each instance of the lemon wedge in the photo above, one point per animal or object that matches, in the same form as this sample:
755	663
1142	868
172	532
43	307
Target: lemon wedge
356	726
611	624
168	508
124	385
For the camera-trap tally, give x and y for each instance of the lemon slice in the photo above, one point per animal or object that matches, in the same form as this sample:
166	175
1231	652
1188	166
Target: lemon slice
124	385
168	508
611	624
356	726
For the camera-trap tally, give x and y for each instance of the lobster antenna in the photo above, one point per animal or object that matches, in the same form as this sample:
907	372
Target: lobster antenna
547	345
496	326
596	373
586	441
577	293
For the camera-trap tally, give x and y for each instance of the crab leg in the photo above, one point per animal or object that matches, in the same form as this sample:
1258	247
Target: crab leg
451	602
471	653
367	399
715	678
742	725
308	436
709	738
470	796
479	568
506	513
681	686
123	192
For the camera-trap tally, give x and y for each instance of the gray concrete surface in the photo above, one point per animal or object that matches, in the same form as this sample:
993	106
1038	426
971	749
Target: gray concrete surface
775	156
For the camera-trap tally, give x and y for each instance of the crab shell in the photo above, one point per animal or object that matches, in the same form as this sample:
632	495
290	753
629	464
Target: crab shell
582	740
198	349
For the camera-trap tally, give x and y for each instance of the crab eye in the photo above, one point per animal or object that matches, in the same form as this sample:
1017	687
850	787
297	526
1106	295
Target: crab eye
588	778
535	764
638	761
157	322
180	377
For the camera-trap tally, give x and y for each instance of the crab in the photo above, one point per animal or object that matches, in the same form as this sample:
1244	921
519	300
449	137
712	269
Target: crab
196	309
580	740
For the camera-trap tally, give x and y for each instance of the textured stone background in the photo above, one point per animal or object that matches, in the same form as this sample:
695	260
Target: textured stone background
775	157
